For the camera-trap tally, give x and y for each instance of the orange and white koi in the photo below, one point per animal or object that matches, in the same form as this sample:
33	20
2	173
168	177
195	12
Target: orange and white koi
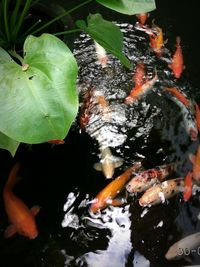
177	64
140	90
108	162
105	196
139	75
195	159
179	95
142	17
160	192
187	186
156	40
21	218
101	54
145	179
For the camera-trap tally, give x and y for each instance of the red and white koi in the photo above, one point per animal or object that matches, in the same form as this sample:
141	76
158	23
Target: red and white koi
177	65
197	115
160	192
109	193
195	159
140	90
145	179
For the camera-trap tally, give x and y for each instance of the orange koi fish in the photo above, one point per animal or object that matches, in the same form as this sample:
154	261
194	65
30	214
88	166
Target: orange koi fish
21	218
160	192
139	75
177	64
187	187
195	159
156	40
179	95
197	116
142	17
108	194
140	90
145	179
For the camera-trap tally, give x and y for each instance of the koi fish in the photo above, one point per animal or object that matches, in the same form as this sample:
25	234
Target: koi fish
195	159
183	247
156	40
108	163
101	54
142	17
139	75
140	90
108	194
187	112
179	95
21	218
197	116
177	64
160	192
187	187
145	179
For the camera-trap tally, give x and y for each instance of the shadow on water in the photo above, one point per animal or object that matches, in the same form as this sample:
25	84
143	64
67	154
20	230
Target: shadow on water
62	180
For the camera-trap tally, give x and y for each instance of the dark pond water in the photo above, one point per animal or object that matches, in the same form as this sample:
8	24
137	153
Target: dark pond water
62	180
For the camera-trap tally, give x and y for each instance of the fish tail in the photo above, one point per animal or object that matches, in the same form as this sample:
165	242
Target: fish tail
178	40
13	178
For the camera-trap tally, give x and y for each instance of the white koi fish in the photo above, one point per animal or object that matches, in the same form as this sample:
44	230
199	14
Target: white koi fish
107	163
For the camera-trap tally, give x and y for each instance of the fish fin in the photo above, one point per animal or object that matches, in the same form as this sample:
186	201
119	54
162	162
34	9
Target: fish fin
97	166
192	158
34	210
170	66
187	187
10	231
118	162
118	202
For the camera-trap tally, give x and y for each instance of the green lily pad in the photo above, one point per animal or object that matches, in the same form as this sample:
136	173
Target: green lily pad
129	7
8	144
38	100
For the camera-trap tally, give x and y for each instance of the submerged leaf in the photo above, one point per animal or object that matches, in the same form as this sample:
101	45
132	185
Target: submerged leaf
107	34
129	7
39	100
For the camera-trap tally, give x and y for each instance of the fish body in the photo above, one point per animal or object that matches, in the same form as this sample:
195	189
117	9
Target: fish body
105	196
177	64
195	159
183	247
140	90
21	218
187	186
156	40
101	55
160	192
179	95
142	17
197	116
108	163
139	75
145	179
56	142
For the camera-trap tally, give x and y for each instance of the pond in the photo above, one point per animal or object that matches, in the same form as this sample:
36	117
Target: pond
62	180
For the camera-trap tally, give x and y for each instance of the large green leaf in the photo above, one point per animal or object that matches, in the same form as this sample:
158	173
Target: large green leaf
8	144
107	34
39	100
129	7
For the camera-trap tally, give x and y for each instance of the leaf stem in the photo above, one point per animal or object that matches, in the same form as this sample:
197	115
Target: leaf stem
14	54
61	15
67	32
